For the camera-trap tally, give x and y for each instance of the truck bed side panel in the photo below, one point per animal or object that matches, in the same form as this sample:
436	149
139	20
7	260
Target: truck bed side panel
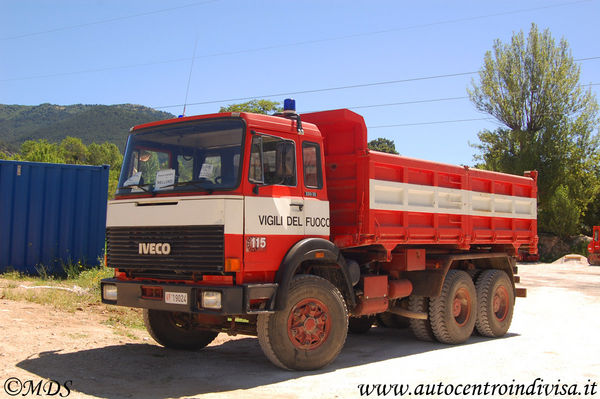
386	199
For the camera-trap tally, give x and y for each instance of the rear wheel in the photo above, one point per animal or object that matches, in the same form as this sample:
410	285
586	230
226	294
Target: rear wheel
420	328
391	320
175	330
496	301
454	311
310	331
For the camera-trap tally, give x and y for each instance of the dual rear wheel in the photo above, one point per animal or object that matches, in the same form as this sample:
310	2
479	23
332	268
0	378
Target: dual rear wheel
464	305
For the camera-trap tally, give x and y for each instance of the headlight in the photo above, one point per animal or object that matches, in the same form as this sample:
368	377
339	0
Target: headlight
109	292
211	299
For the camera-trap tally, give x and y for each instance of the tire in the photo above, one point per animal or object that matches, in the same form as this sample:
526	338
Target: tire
474	273
174	330
360	325
421	329
594	259
310	331
453	313
496	301
390	320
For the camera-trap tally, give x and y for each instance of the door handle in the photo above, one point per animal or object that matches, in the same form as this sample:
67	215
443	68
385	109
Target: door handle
300	206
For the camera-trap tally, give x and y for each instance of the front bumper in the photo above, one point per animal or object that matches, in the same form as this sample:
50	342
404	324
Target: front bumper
235	300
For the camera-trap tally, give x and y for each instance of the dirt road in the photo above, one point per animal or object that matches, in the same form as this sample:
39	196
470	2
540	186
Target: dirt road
554	337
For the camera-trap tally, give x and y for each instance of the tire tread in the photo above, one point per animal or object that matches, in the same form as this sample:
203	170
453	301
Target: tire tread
421	329
484	285
439	307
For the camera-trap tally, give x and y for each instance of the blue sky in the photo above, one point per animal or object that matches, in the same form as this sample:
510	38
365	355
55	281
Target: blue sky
139	51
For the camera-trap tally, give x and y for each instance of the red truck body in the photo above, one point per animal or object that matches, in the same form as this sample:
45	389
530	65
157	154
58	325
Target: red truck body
289	228
594	248
391	200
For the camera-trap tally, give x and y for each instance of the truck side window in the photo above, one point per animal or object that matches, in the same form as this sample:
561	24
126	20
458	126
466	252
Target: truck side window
311	157
272	161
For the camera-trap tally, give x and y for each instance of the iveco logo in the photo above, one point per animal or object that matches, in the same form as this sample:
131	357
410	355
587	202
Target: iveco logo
154	248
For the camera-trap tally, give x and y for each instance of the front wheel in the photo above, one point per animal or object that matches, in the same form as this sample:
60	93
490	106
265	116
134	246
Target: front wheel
310	331
175	330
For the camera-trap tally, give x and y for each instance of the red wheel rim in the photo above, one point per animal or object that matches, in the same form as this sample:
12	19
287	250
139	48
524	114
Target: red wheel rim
461	306
309	324
500	303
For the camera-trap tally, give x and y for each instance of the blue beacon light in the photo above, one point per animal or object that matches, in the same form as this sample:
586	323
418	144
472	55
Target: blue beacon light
289	105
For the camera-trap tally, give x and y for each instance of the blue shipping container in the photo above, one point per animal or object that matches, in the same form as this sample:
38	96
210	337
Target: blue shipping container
51	215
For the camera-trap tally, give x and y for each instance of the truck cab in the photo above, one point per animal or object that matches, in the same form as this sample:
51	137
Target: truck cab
216	200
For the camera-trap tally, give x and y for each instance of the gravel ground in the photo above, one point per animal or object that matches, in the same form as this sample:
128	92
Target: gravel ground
554	337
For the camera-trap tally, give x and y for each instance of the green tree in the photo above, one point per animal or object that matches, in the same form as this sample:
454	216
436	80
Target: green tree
40	151
562	214
106	154
73	151
531	86
256	106
383	145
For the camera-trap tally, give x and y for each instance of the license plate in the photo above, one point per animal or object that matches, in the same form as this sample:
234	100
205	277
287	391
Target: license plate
177	298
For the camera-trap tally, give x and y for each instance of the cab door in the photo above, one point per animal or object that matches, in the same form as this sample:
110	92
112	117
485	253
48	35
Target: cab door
274	211
316	206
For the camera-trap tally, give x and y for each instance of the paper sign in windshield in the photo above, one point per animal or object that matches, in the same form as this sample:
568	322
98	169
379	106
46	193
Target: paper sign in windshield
133	180
165	177
207	171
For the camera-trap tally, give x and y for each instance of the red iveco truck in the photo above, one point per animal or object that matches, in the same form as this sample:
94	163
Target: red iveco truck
594	248
288	227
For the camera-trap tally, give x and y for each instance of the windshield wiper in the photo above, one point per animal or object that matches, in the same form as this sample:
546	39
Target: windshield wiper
196	184
140	186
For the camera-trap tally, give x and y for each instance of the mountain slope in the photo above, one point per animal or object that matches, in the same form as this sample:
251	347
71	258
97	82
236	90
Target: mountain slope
90	123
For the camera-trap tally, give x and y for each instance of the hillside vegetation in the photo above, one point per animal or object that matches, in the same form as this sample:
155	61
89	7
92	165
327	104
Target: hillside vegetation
90	123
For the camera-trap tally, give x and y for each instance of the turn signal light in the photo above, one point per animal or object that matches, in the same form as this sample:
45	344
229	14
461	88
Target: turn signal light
233	265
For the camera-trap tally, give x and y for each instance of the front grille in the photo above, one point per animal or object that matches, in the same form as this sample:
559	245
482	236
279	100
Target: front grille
193	248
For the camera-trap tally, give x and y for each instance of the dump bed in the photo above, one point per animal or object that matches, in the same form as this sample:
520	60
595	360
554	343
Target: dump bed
389	200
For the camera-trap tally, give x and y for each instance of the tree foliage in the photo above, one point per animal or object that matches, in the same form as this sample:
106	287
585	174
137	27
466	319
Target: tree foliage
40	151
531	87
383	145
73	151
256	106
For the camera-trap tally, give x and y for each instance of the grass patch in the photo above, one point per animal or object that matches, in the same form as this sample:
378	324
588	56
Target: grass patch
85	283
121	317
